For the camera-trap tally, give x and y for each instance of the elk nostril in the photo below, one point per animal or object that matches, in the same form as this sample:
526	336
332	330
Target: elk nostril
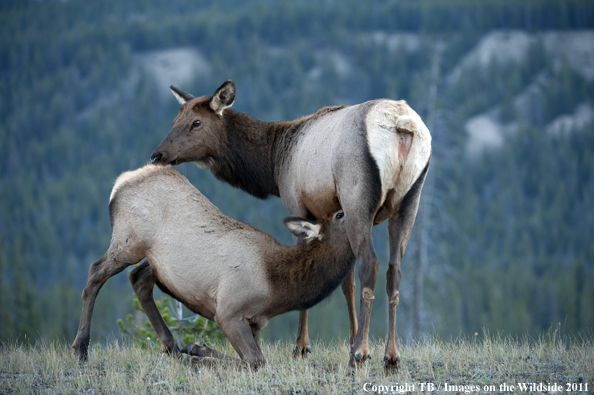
155	158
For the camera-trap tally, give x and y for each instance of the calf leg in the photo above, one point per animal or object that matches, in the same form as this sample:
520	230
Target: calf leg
399	227
205	351
143	281
99	272
302	343
243	339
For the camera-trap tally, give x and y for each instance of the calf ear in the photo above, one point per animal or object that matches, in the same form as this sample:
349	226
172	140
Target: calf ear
223	97
304	229
181	96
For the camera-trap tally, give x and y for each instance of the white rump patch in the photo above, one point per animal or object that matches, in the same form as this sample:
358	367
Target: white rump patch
129	176
384	121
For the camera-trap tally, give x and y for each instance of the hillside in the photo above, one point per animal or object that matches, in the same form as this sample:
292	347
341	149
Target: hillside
508	223
569	54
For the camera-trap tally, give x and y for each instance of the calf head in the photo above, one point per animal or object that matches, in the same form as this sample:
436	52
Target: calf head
198	131
329	230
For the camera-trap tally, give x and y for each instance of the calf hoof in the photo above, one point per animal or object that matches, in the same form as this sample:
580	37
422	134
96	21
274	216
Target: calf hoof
188	349
391	363
201	351
204	362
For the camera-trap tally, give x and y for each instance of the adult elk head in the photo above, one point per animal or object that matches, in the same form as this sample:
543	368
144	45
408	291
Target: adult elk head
198	130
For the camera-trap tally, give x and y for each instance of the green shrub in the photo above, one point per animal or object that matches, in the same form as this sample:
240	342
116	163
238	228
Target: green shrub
187	331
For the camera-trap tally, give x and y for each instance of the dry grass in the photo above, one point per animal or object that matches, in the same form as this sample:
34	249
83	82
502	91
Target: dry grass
482	361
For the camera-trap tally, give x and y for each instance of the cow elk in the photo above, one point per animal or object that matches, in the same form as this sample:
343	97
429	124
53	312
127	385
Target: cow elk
220	268
369	160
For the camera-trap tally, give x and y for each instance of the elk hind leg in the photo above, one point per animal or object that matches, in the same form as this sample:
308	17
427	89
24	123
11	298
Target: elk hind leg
99	272
348	289
399	226
360	204
143	281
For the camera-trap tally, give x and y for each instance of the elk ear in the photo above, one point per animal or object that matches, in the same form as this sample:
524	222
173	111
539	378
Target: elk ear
181	96
223	97
304	229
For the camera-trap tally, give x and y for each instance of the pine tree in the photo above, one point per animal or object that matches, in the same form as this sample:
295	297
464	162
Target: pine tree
26	307
6	322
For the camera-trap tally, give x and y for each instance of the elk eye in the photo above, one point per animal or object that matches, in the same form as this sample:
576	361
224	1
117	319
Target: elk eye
196	123
339	215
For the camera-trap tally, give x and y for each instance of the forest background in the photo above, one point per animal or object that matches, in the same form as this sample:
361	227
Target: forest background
503	241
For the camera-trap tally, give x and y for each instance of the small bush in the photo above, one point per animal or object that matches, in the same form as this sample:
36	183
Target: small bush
186	331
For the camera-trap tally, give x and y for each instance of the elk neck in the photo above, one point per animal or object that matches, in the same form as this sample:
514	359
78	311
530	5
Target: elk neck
304	275
255	151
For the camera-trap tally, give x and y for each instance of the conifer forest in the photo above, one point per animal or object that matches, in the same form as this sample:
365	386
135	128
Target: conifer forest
504	238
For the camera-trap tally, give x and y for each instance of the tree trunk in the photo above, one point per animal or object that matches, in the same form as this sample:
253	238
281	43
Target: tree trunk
423	216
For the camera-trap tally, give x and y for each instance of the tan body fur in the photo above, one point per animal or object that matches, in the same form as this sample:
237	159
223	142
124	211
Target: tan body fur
218	267
369	160
309	179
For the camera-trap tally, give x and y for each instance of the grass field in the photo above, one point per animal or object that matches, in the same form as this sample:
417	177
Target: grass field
480	365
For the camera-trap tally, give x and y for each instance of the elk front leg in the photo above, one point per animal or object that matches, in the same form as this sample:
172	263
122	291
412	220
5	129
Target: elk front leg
143	281
243	338
302	344
207	356
348	289
99	272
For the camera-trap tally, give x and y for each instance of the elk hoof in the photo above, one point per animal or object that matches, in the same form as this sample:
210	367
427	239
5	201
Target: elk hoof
204	361
187	349
301	352
81	350
359	357
391	363
198	351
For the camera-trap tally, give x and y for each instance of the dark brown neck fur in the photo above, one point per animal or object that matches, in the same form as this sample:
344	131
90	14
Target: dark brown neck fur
254	151
304	275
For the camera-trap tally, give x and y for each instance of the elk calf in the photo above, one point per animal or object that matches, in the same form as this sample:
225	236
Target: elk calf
220	268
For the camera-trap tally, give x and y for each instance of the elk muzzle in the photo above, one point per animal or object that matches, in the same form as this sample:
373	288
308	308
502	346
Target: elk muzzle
163	159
